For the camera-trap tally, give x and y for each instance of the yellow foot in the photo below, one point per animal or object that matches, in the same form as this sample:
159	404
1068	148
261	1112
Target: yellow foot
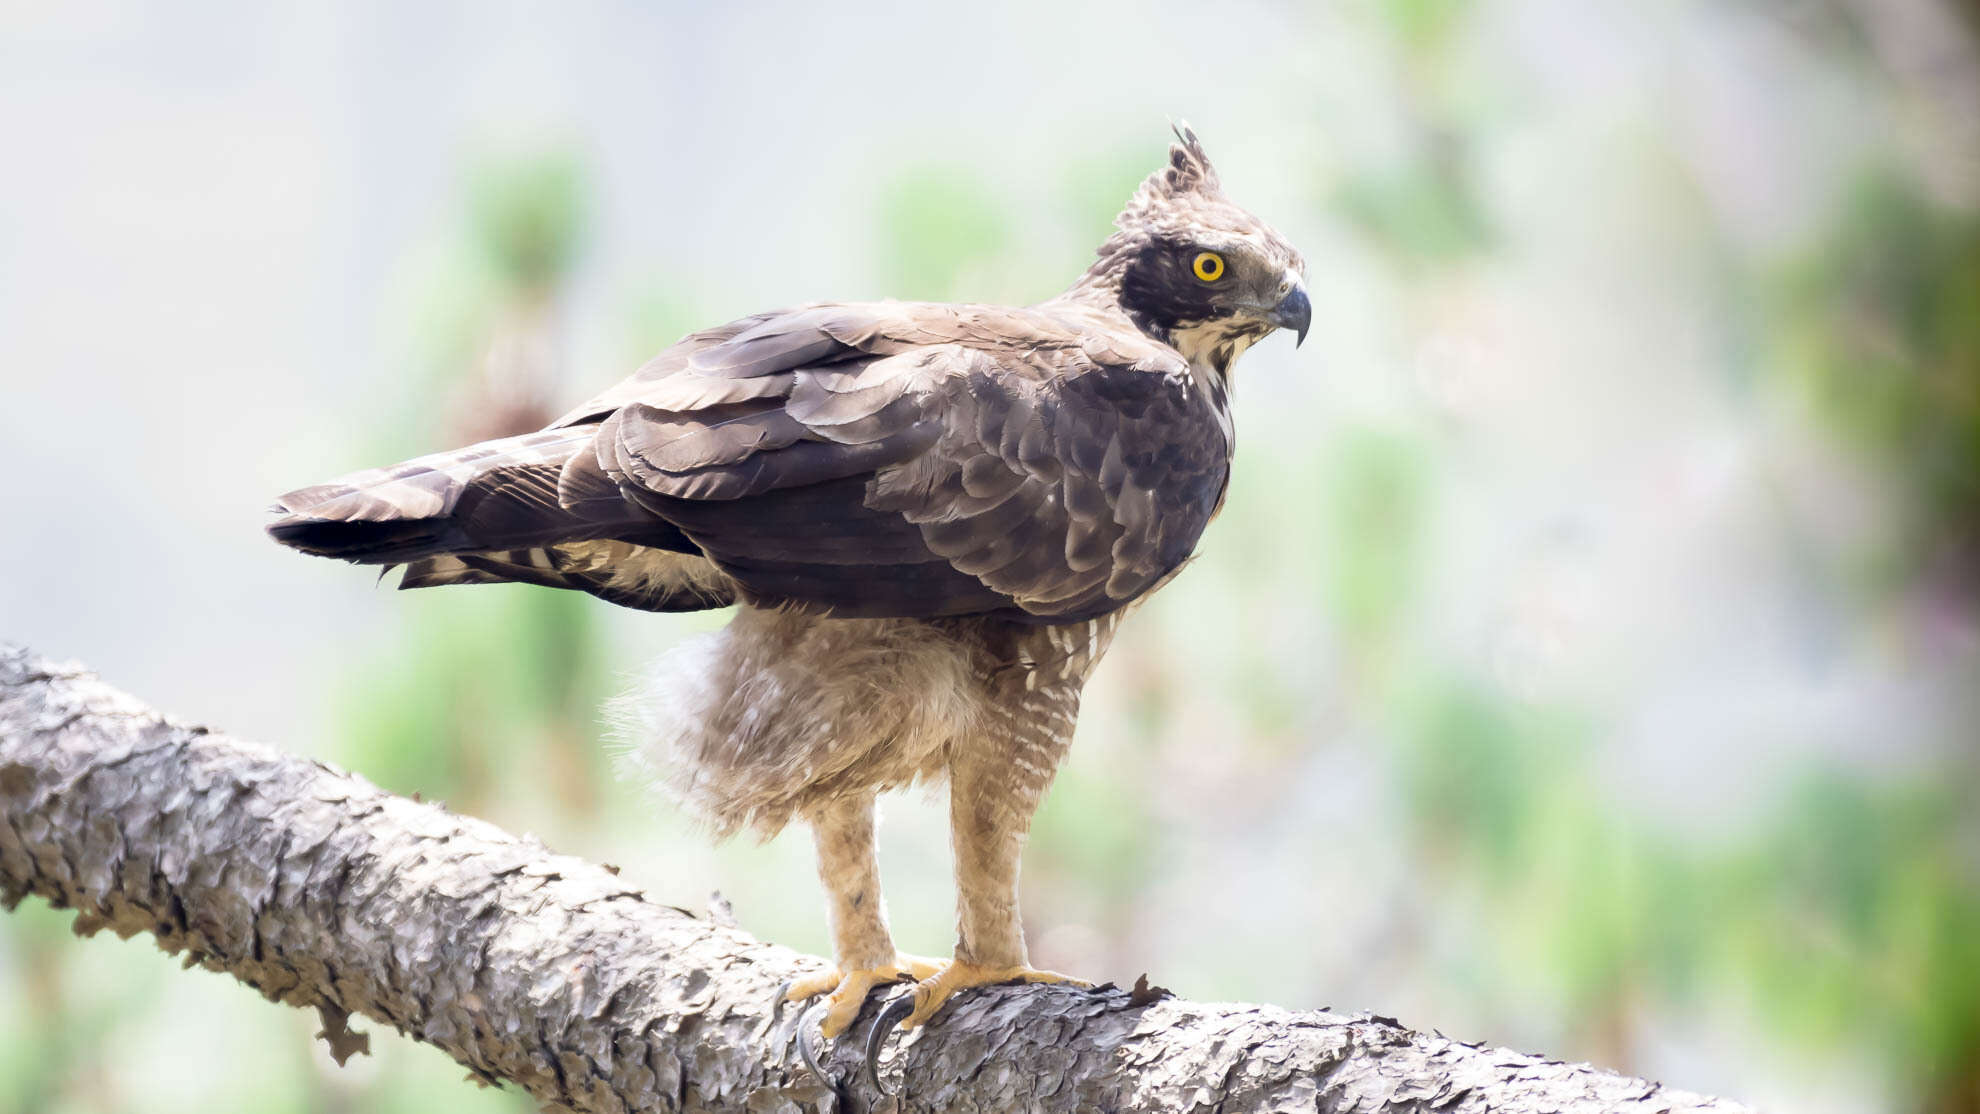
849	991
931	992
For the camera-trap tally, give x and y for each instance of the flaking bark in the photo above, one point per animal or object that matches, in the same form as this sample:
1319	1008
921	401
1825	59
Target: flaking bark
539	969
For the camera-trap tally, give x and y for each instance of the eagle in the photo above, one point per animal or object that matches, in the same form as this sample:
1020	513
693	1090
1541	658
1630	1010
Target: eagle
930	519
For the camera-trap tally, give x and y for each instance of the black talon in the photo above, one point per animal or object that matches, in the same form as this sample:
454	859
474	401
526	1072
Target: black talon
810	1056
892	1014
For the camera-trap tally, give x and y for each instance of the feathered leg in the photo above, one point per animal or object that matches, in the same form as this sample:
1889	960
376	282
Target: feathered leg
861	944
994	788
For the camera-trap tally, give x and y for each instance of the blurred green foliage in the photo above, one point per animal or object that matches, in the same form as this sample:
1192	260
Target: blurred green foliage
1376	498
529	217
1423	26
1849	914
1868	925
1422	211
1878	330
1420	206
938	225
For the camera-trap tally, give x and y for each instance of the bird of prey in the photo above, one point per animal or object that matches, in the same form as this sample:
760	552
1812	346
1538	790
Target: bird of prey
930	518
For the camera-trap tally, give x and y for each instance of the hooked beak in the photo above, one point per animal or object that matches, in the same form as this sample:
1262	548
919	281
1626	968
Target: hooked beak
1294	312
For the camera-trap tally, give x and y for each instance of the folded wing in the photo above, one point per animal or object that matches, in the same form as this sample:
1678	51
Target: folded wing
918	460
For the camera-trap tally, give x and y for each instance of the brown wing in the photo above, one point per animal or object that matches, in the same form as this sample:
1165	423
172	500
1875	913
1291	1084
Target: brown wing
916	460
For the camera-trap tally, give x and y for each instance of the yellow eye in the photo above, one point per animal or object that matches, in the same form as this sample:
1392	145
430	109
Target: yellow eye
1209	266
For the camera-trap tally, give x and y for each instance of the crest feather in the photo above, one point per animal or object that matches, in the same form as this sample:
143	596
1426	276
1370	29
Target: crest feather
1188	172
1189	169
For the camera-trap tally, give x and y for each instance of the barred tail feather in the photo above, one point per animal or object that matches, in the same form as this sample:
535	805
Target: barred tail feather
641	577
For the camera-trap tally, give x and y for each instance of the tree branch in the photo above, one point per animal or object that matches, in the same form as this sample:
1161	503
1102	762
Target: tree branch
323	891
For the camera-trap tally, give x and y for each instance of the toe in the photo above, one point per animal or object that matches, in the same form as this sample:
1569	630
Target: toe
840	1010
848	992
811	986
932	992
1031	974
927	999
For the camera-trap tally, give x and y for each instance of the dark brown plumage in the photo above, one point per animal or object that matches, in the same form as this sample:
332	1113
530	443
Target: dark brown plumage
933	517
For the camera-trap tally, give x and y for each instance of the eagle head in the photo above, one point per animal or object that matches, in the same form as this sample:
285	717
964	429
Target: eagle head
1197	272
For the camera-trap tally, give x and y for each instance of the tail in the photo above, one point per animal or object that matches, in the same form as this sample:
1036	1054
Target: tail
498	495
533	509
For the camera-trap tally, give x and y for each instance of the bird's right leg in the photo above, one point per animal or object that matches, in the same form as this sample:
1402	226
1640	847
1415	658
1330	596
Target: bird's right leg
861	944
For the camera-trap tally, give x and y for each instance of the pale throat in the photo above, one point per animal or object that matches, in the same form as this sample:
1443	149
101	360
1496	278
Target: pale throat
1211	347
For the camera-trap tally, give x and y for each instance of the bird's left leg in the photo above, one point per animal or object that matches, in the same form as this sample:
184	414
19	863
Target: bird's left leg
994	788
861	944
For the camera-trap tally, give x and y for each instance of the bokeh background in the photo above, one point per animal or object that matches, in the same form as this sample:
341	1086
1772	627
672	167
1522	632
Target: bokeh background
1586	658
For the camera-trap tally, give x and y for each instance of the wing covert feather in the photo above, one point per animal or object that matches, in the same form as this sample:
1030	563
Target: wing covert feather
903	459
